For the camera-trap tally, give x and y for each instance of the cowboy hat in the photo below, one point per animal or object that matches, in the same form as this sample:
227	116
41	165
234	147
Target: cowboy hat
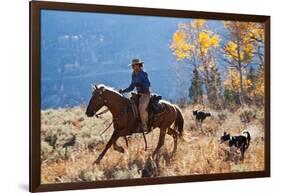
135	61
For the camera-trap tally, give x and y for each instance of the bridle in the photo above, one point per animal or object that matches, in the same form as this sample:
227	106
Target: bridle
100	93
99	98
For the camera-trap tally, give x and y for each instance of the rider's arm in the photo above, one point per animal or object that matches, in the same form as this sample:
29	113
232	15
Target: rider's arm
131	87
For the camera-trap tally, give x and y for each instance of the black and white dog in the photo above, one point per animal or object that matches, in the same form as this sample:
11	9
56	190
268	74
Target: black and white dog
241	142
200	115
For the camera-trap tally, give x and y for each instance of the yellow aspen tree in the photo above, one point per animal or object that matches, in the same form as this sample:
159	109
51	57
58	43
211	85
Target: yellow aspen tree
257	34
239	50
195	43
232	85
259	90
246	41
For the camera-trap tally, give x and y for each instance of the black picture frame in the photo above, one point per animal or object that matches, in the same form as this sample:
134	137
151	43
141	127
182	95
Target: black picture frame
34	100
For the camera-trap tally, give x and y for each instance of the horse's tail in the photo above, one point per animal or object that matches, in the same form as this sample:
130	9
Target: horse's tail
179	122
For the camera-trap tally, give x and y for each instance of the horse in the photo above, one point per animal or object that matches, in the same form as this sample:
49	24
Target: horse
117	104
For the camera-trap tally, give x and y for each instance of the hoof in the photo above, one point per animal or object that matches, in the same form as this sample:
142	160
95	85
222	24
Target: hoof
96	162
120	149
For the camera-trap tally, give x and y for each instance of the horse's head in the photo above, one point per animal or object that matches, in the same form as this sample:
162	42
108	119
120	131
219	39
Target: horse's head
97	101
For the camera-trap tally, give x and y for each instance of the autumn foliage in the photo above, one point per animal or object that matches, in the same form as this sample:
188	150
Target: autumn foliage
197	44
240	48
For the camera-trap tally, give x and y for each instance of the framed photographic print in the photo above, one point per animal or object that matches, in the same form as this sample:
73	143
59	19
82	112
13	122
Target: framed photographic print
123	96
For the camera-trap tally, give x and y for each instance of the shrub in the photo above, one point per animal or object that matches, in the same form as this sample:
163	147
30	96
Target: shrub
247	115
92	175
260	116
133	172
222	116
210	127
198	152
192	126
46	149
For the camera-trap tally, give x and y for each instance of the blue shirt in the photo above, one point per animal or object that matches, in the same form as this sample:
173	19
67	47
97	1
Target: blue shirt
140	81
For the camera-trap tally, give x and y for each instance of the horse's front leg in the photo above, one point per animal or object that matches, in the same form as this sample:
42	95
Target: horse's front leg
111	141
122	133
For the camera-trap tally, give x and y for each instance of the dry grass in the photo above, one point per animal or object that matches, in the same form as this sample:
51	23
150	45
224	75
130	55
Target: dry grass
198	153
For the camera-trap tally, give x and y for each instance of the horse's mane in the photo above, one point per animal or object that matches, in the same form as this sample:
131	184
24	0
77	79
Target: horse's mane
109	88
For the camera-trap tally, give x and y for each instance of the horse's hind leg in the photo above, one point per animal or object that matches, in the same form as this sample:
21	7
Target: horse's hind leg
174	134
160	141
112	140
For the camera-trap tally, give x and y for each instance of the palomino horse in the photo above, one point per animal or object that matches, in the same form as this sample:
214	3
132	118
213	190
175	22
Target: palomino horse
122	116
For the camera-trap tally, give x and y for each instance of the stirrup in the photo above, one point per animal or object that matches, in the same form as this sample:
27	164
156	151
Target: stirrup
141	129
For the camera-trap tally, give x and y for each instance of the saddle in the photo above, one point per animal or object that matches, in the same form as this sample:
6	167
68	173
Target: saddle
154	106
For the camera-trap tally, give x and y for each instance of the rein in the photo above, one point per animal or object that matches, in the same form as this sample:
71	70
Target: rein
113	120
104	111
106	129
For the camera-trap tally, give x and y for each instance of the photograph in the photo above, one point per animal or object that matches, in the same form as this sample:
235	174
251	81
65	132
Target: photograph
126	96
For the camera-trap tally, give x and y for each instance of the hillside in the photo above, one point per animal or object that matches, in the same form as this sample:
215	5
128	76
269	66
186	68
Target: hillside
199	152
